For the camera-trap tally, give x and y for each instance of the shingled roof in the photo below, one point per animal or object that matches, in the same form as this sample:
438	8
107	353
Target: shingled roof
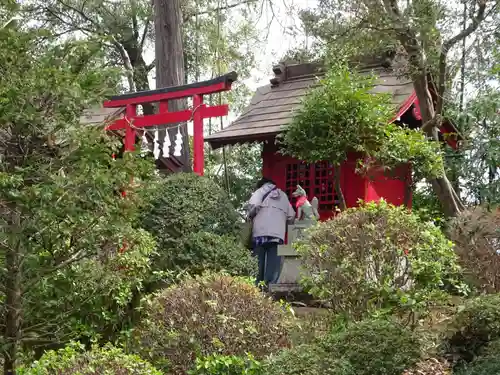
100	116
272	106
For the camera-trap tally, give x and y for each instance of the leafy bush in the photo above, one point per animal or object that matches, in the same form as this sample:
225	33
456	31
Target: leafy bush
98	303
73	360
206	315
343	104
487	363
402	145
188	203
202	251
226	365
375	347
474	326
196	227
307	360
376	256
482	366
476	234
371	347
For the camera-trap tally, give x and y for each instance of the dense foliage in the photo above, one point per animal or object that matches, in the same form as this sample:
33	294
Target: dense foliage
73	360
370	347
488	362
307	360
196	227
342	116
62	214
376	256
475	325
476	234
209	314
227	365
375	347
90	299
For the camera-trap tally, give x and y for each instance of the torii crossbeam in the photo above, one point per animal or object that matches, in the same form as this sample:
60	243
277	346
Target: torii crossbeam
197	113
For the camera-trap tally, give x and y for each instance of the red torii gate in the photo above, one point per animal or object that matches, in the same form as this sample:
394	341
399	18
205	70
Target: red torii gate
200	111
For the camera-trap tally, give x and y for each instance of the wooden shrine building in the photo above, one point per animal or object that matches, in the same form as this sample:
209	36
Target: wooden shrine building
272	108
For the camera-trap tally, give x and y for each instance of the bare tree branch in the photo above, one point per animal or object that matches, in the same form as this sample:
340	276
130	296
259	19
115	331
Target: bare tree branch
448	44
225	7
127	63
144	33
151	66
135	25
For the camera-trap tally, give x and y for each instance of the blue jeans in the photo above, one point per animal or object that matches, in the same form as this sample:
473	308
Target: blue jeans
269	263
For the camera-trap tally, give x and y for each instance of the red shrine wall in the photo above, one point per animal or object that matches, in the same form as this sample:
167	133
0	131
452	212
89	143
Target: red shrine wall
318	181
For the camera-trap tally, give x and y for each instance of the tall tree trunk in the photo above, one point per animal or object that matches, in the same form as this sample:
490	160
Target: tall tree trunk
12	300
442	187
338	188
169	53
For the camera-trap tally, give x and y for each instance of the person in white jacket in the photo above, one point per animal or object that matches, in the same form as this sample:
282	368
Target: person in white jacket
270	210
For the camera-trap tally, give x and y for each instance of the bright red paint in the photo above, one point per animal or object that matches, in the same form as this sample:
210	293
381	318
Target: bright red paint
152	98
355	187
200	111
198	139
170	117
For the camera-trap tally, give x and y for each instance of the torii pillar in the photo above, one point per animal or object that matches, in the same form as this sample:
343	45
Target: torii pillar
200	111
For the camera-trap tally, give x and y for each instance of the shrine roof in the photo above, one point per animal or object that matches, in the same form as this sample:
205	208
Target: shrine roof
100	115
272	106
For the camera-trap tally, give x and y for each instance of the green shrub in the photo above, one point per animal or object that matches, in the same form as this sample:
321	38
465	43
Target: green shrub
196	227
482	366
207	315
474	326
487	363
307	360
343	104
201	251
90	299
375	347
376	256
227	365
73	360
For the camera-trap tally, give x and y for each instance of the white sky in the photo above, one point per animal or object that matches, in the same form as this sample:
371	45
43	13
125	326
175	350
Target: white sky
275	25
275	31
278	39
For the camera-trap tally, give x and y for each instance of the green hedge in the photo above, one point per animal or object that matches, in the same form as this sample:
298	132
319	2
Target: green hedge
475	325
73	360
227	365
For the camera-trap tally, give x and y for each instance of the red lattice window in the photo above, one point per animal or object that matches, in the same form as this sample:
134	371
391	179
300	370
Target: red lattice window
316	179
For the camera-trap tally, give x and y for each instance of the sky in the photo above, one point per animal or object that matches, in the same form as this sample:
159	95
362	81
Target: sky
276	36
277	39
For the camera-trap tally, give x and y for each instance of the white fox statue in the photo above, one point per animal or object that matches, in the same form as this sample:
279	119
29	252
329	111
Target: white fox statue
306	211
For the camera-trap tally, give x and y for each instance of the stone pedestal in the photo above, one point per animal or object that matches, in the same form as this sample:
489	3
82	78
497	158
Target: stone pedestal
290	261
